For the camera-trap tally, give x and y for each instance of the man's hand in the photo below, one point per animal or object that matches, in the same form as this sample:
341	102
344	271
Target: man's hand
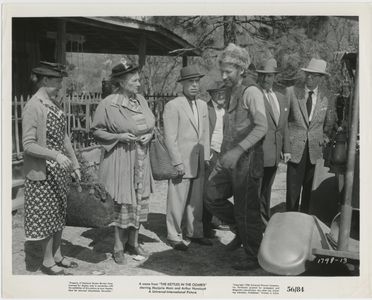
207	164
287	157
231	157
145	138
180	170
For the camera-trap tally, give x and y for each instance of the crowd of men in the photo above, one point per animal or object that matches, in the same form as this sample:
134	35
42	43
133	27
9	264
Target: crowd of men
227	151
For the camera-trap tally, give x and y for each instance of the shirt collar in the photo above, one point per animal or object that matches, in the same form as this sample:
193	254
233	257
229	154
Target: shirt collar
315	91
215	105
42	95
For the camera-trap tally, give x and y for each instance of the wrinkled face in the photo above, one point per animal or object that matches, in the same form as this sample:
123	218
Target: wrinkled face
231	74
219	97
52	86
191	87
131	83
266	80
312	80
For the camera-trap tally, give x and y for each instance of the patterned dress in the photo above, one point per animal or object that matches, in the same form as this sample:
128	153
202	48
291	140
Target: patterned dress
46	200
128	215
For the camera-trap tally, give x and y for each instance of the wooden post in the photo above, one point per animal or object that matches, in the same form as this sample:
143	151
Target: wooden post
16	129
142	51
346	209
184	61
61	43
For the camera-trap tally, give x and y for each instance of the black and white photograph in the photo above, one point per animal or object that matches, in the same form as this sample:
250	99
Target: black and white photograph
185	145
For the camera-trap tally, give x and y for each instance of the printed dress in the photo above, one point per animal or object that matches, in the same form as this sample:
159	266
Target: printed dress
132	215
46	200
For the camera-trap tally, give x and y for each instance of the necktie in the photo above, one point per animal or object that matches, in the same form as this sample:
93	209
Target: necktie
195	112
309	103
273	107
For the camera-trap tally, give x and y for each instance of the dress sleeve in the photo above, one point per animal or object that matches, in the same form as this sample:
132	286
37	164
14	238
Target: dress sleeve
100	128
29	133
254	102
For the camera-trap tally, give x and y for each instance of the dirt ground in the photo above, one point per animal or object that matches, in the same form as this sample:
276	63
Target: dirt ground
92	248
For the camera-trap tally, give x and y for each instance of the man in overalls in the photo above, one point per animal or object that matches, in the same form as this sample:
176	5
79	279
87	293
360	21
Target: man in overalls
240	166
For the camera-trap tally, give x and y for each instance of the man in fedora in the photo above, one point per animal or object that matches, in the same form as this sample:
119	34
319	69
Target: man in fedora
310	119
186	132
239	168
276	142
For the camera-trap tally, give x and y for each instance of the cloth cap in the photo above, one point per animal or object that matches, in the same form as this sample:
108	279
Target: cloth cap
270	66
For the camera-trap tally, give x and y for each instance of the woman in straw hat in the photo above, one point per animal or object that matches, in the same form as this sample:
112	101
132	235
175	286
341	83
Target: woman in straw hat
48	161
123	124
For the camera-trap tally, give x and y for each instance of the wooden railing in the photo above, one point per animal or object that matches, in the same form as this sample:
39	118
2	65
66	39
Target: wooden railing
79	111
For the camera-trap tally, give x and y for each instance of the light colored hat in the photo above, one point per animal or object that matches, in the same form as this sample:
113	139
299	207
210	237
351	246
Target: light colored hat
235	55
270	66
316	66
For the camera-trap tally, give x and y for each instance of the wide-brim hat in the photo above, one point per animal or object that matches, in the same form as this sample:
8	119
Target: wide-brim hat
269	67
123	68
50	69
316	66
189	72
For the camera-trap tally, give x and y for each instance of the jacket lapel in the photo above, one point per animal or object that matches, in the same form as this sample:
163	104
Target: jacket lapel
187	108
318	103
233	102
269	108
300	95
282	108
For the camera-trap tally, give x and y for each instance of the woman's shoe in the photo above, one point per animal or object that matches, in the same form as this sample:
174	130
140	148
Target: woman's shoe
119	257
136	250
49	270
66	264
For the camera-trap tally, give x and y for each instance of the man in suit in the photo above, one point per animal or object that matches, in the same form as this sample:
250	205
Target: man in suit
239	168
276	142
311	119
216	111
186	132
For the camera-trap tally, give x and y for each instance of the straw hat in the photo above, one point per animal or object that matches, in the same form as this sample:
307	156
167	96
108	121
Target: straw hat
269	67
316	66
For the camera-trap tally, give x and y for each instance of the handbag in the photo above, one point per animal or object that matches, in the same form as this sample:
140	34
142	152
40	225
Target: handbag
161	164
89	205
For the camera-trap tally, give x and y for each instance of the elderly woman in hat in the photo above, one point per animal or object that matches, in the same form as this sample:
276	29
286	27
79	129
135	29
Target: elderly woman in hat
123	124
48	161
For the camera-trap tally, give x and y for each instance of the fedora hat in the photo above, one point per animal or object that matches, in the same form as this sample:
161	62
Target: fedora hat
123	68
50	69
316	66
270	66
189	72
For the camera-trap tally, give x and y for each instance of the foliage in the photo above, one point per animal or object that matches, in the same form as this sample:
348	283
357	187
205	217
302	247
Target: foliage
291	40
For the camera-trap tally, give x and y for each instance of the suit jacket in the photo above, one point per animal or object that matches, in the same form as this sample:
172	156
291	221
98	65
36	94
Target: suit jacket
301	130
212	118
277	137
186	142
